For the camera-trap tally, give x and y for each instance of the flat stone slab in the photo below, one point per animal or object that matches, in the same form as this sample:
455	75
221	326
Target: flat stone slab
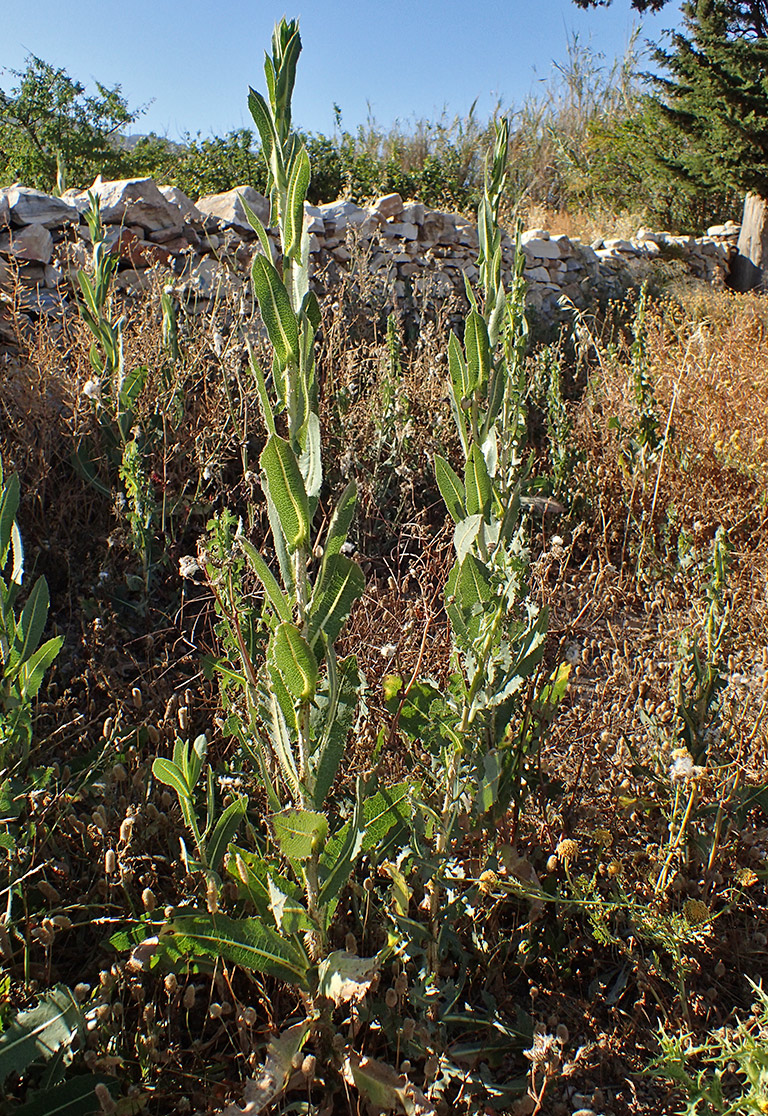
134	201
32	207
228	207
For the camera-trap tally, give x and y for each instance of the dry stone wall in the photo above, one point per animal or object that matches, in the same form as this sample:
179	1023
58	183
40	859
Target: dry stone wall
204	249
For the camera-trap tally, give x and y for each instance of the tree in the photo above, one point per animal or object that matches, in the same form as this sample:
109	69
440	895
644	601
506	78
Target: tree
713	101
51	129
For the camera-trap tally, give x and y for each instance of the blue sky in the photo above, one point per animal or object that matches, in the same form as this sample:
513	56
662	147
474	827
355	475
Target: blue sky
402	58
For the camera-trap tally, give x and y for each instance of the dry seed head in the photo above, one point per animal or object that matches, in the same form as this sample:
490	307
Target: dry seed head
695	912
212	896
746	877
106	1104
487	881
137	698
148	899
153	734
567	850
48	891
108	728
171	983
183	718
215	1011
249	1016
350	943
390	998
407	1030
552	863
126	828
189	997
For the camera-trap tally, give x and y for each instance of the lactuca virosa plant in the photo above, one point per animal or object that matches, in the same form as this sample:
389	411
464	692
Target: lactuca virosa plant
23	658
292	702
485	724
115	393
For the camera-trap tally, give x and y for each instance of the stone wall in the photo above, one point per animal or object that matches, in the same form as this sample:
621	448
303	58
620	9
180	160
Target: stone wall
204	249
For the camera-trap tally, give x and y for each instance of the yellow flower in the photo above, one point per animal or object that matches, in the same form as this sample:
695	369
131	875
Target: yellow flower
746	877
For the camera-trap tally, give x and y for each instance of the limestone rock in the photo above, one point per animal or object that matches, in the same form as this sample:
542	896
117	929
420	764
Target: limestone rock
413	213
78	198
177	198
134	201
540	248
405	231
33	207
5	210
314	217
341	215
32	243
228	209
388	206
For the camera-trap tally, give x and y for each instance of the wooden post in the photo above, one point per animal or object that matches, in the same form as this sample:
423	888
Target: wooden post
748	267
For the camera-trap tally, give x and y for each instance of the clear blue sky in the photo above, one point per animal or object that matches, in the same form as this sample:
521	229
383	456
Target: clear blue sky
405	58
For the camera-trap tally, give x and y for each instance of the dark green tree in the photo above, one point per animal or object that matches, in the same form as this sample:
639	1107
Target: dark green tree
712	100
51	129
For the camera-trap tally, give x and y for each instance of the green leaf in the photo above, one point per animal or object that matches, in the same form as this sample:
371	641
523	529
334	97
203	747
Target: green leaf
477	348
131	388
31	622
287	491
9	505
261	387
457	366
41	1032
342	584
257	227
465	534
451	489
75	1097
166	771
311	308
300	833
275	595
252	873
488	790
292	656
269	139
243	941
333	718
311	459
224	831
275	306
341	521
298	183
31	675
289	914
477	484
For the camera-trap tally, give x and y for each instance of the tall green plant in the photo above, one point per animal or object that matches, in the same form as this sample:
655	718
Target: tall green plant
485	724
292	701
23	659
115	393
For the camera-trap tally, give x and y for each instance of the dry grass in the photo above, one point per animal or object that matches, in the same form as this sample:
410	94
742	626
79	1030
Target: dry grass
618	592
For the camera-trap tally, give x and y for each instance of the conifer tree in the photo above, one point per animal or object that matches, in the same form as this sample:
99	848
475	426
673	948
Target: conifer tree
713	97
